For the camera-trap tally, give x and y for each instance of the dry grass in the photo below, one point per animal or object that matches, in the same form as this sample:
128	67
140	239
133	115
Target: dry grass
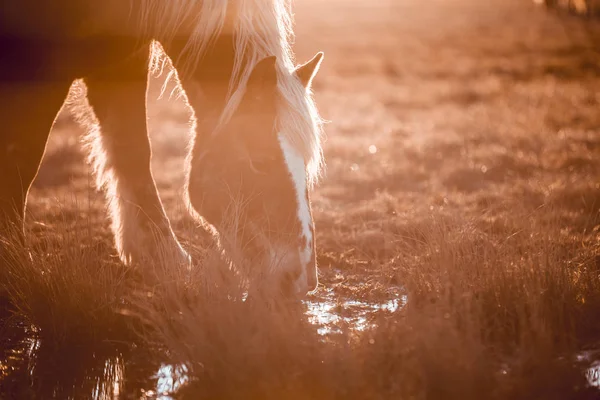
484	318
488	314
62	283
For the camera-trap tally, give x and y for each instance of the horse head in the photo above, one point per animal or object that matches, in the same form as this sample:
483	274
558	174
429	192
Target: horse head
249	181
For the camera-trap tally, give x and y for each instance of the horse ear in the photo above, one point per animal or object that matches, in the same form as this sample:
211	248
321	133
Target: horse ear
307	72
264	74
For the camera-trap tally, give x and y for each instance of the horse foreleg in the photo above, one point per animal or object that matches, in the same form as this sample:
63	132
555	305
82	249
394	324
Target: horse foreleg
27	112
120	154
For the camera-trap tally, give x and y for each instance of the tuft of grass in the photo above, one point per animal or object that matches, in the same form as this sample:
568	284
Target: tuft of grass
63	283
517	307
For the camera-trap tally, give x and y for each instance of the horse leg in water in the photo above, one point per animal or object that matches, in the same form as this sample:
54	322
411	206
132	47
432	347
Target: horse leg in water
27	111
120	154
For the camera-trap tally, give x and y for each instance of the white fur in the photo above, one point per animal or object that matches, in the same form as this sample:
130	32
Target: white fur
297	169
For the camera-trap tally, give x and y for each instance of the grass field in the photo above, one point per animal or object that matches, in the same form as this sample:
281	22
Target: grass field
458	231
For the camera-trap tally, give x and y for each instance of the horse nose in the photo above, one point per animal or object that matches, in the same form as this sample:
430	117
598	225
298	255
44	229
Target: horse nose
306	280
297	273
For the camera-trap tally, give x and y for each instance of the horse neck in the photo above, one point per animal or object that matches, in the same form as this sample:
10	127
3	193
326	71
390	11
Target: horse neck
216	64
212	74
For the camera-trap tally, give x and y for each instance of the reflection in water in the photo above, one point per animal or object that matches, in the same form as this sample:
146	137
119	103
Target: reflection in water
33	368
331	315
109	384
169	380
592	372
323	315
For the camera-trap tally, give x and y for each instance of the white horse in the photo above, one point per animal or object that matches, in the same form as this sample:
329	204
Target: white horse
257	133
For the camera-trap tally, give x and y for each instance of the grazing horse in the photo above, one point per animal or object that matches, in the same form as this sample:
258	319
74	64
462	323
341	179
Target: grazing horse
257	133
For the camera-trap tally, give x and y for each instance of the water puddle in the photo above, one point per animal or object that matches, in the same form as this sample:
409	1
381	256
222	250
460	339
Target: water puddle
108	385
330	315
169	379
592	373
109	372
77	373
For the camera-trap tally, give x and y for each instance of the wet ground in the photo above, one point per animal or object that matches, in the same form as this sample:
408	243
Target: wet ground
31	367
28	369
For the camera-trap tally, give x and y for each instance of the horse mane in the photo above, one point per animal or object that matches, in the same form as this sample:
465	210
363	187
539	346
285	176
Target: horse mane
261	28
